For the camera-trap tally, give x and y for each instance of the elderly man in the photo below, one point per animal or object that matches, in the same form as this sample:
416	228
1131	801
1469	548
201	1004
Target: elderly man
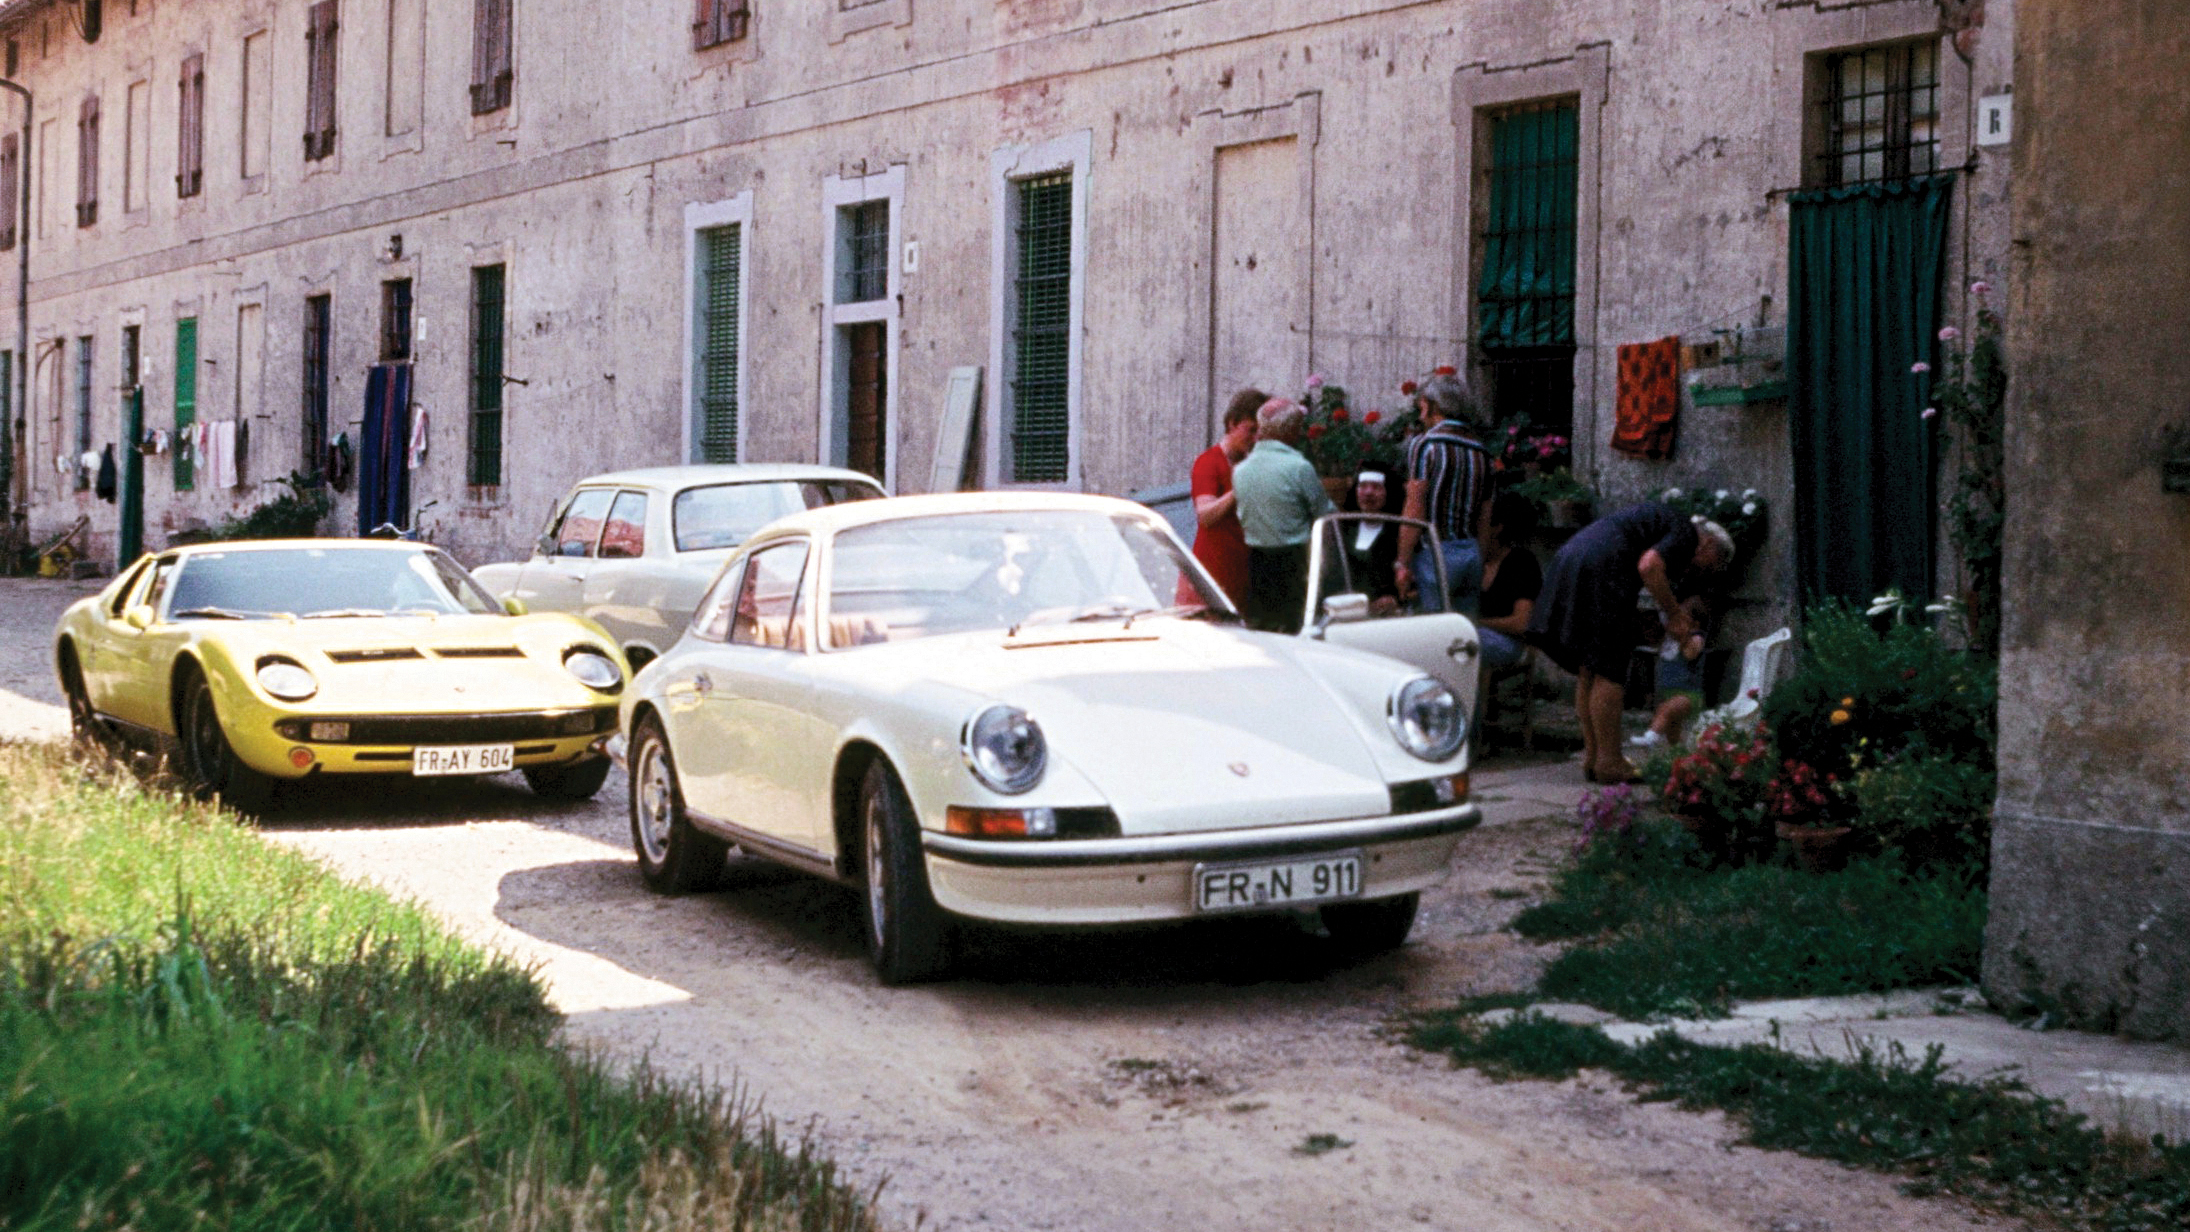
1448	480
1279	500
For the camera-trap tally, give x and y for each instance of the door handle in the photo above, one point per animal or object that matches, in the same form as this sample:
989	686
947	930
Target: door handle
1462	648
704	683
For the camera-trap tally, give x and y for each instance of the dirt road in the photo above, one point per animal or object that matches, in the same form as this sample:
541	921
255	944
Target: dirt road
1178	1078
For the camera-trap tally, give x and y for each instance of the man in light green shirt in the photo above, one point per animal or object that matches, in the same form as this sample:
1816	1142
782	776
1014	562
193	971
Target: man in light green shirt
1280	498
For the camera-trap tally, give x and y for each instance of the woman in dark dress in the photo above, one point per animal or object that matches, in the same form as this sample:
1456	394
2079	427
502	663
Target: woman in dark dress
1511	580
1585	616
1372	549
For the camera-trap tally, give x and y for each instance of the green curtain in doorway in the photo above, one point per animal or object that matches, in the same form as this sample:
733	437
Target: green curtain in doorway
1864	274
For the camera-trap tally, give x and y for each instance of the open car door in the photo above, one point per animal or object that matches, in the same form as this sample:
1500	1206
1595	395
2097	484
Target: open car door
1350	604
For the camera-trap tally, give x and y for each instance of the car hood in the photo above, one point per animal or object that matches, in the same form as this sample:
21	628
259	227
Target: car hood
420	665
1182	726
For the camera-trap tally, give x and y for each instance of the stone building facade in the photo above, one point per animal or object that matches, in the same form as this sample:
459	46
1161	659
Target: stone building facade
2091	850
609	235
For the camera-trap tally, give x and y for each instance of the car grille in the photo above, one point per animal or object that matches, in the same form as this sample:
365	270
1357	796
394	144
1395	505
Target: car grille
456	728
478	652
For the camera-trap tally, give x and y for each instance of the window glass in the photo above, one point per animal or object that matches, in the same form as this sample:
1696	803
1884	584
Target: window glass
580	528
123	592
769	597
711	620
324	582
725	515
625	533
163	570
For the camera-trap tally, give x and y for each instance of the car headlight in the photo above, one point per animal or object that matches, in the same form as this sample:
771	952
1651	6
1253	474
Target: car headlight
1427	719
593	669
1005	750
287	681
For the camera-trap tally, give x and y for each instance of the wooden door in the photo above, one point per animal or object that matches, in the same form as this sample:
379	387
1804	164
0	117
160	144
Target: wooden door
867	399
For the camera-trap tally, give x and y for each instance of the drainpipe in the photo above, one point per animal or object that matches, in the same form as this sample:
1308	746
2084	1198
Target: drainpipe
12	506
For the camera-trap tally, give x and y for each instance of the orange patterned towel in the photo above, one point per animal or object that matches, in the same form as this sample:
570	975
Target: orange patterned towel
1649	398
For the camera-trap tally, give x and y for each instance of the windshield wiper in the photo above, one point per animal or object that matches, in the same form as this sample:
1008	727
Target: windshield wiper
1189	611
212	613
1106	611
343	611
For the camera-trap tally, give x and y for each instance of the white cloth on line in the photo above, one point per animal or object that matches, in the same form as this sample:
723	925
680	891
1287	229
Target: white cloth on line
415	456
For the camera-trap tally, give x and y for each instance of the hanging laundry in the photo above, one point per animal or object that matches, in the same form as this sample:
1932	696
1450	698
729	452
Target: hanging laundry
340	462
383	483
105	486
221	454
415	456
1649	404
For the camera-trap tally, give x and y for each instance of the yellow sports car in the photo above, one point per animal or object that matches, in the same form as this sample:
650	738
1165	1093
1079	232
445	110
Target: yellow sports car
254	663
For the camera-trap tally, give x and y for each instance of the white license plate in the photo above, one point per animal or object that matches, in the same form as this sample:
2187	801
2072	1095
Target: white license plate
1277	883
463	759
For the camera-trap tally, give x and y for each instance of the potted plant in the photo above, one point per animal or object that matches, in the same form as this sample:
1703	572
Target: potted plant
1742	514
1565	500
1341	440
1718	790
1802	805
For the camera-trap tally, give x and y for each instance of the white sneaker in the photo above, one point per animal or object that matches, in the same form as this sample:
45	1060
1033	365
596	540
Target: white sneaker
1648	741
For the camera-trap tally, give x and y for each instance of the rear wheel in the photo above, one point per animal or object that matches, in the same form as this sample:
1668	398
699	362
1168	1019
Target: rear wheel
1372	927
209	761
674	858
907	934
570	780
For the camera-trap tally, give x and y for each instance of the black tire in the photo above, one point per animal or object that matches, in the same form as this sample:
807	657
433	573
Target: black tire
209	761
570	780
1372	927
674	858
85	730
907	934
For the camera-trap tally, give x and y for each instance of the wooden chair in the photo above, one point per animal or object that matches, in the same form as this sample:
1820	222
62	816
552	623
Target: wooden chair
1508	690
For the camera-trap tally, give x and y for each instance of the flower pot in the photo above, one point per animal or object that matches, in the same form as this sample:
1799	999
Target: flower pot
1818	849
1566	514
1335	486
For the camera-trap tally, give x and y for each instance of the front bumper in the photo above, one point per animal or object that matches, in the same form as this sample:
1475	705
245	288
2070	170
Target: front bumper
1134	879
383	744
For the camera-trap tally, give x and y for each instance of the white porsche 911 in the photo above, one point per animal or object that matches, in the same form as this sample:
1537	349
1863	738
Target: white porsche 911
1034	708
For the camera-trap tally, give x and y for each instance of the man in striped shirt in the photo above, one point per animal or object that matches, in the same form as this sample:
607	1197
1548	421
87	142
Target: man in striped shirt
1448	479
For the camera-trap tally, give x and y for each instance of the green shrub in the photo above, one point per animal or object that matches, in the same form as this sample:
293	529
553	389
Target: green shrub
1860	694
295	514
1934	810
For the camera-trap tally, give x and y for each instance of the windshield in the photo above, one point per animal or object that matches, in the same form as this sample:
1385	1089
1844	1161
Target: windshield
322	582
919	577
726	514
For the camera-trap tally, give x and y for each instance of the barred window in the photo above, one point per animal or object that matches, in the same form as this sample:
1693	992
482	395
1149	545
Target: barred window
865	252
719	21
395	321
83	407
715	331
318	331
1877	115
486	375
1525	288
1039	418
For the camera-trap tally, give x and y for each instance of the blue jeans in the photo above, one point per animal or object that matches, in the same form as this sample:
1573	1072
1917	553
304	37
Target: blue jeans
1500	650
1463	575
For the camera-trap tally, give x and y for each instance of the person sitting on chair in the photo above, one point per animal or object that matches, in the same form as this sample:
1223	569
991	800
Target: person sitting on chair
1511	579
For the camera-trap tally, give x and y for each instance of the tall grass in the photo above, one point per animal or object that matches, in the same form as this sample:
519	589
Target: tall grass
197	1027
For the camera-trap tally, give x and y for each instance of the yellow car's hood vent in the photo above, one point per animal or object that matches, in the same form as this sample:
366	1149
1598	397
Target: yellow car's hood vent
375	654
478	652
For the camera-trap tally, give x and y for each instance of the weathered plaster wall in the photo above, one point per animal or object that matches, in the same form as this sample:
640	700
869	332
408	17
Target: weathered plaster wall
2091	874
618	126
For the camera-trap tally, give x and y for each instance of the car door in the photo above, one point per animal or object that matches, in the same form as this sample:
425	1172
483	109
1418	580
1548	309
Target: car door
1435	640
773	749
109	643
140	691
554	580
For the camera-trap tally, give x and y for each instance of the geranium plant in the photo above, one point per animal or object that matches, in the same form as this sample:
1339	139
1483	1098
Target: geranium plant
1721	786
1342	439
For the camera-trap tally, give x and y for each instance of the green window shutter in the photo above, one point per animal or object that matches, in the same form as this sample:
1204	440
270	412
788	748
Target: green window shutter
1040	416
715	419
186	399
1525	294
485	469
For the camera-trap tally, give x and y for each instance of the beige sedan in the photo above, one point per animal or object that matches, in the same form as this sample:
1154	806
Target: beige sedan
634	550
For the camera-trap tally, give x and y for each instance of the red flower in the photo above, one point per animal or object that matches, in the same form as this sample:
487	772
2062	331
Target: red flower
1406	387
1908	673
1447	370
1372	417
1314	431
1341	415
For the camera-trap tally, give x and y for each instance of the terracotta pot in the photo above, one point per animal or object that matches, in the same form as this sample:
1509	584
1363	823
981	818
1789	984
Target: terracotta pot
1818	849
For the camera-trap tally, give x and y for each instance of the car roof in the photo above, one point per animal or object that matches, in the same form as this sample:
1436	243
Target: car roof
702	474
832	519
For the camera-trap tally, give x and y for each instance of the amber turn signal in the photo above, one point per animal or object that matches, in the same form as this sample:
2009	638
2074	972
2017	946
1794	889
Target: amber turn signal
999	822
300	757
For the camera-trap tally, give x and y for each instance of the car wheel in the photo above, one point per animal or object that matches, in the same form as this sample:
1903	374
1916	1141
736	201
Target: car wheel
570	780
84	727
1372	927
907	933
674	858
210	764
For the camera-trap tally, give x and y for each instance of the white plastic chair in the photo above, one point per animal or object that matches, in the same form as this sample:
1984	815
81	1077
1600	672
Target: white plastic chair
1762	661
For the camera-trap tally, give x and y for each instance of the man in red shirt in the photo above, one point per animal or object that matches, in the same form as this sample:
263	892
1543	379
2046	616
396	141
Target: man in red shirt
1219	542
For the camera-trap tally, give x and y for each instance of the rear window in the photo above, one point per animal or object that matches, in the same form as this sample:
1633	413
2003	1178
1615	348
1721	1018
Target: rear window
725	515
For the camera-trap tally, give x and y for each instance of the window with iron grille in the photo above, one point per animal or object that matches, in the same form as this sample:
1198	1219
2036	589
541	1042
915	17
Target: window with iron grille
486	376
132	358
491	72
715	419
1525	289
1877	114
87	163
395	321
318	331
864	248
186	399
11	187
319	90
1040	415
190	129
83	407
719	21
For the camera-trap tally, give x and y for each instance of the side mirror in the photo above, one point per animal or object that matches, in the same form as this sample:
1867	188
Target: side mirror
1345	609
515	606
138	617
544	546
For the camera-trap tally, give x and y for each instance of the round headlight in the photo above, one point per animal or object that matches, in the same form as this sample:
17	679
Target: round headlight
593	669
1005	749
1428	720
287	681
